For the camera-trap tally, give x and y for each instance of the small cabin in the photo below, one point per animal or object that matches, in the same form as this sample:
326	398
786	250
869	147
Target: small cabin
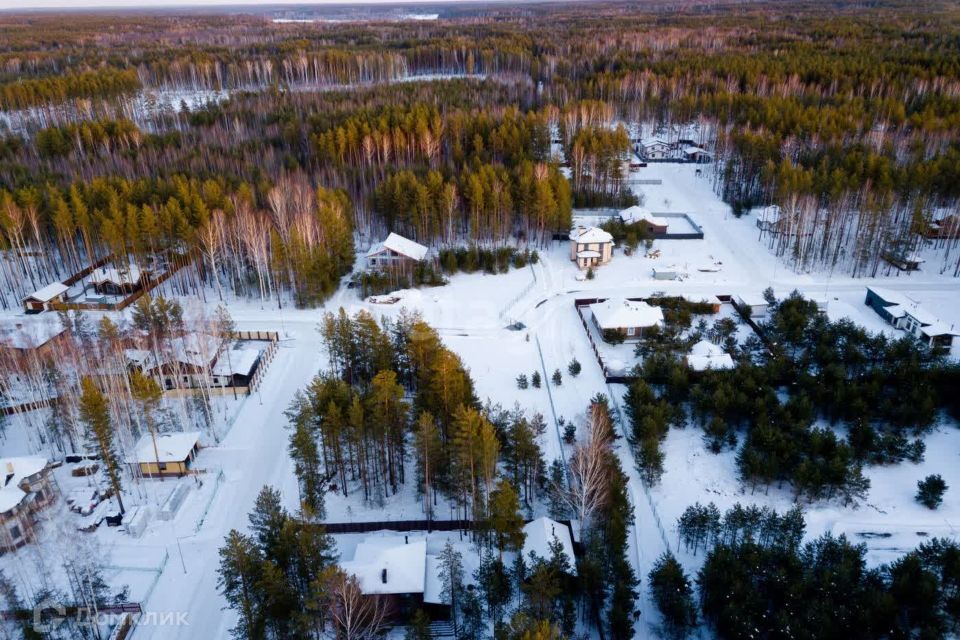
42	299
166	455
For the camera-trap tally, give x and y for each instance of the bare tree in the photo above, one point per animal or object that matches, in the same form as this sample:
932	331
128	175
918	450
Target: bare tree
355	616
589	469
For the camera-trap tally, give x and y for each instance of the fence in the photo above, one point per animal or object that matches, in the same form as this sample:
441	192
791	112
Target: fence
519	296
696	234
463	524
266	358
213	495
553	410
147	285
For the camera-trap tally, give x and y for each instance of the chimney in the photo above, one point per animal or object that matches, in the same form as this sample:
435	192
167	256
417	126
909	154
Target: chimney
383	576
9	467
406	539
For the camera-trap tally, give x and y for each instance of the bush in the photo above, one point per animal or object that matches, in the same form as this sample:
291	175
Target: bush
614	336
522	381
930	491
574	368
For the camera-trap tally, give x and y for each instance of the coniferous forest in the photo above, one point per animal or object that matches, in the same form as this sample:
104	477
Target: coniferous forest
265	148
252	161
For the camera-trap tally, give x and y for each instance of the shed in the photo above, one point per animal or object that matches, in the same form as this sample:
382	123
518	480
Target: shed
756	303
41	299
665	273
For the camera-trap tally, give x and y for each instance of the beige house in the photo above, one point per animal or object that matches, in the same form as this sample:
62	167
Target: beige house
27	488
167	455
590	247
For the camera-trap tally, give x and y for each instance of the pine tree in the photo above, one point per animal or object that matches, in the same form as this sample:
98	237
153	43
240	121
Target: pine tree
673	595
239	576
535	380
306	460
557	378
522	381
451	579
506	521
95	414
930	491
574	368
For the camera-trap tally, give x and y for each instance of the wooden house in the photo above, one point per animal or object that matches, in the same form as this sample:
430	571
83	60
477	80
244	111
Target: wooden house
396	253
114	281
43	298
167	455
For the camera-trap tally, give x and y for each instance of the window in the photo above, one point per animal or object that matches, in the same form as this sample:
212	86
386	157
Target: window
162	466
14	532
631	331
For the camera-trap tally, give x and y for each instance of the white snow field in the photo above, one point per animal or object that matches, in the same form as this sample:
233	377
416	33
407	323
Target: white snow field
472	313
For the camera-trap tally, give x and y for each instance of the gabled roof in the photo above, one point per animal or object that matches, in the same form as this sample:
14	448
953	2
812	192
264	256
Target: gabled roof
706	355
637	213
592	235
239	360
405	564
618	313
401	245
128	276
195	349
540	533
171	447
656	142
49	292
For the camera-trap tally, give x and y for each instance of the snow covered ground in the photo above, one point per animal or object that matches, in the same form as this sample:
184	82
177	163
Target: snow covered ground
472	314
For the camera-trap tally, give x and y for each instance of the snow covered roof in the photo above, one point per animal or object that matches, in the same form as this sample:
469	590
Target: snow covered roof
30	334
588	254
706	355
753	300
692	149
49	292
618	313
195	349
637	213
901	305
592	235
655	143
540	533
129	275
171	447
240	361
14	471
405	564
401	245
